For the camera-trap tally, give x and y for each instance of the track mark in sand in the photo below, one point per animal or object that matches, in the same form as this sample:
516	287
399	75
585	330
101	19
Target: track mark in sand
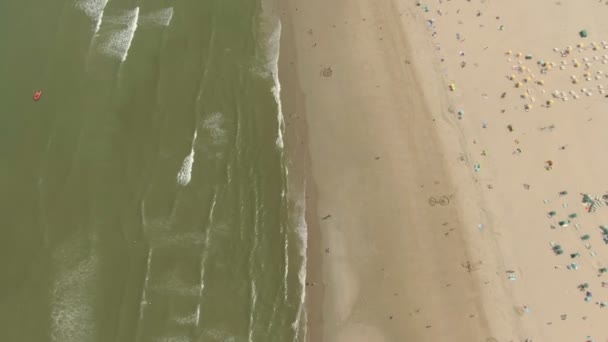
327	72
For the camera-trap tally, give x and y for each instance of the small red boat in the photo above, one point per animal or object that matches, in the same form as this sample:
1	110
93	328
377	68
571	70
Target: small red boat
37	95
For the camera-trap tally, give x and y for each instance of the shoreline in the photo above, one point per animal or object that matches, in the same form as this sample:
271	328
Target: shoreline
296	136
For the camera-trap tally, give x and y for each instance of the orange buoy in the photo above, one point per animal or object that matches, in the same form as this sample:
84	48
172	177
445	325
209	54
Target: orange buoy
37	95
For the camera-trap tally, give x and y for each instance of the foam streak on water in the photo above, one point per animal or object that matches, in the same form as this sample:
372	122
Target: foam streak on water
72	310
144	300
274	44
93	9
119	42
159	18
302	232
185	173
253	290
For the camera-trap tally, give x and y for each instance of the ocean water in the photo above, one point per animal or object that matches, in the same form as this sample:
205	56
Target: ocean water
145	196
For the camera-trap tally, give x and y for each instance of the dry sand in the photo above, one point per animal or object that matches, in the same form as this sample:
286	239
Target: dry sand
372	122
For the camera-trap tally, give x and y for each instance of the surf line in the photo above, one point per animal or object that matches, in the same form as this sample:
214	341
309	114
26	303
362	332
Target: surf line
94	9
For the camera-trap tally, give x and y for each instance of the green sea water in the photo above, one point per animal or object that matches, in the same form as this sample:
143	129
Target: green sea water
144	196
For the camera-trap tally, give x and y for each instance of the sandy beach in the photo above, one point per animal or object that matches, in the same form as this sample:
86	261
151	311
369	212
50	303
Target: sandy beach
446	147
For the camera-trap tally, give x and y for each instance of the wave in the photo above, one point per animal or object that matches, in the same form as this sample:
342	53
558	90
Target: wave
202	279
274	45
214	125
185	173
172	284
252	302
299	215
119	42
72	300
93	9
187	320
179	338
161	17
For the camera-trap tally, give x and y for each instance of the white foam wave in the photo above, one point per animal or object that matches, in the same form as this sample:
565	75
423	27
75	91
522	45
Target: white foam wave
92	8
180	338
219	335
180	240
144	299
299	215
161	17
187	320
274	45
252	300
203	263
185	173
286	270
214	125
119	41
72	300
173	284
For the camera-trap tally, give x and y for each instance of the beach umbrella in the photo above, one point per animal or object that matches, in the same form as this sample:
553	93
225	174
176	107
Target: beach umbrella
518	85
452	87
583	33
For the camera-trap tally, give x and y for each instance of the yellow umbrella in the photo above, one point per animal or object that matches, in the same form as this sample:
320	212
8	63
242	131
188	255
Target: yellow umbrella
518	85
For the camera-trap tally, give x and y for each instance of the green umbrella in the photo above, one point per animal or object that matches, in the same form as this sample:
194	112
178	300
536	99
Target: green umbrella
583	33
